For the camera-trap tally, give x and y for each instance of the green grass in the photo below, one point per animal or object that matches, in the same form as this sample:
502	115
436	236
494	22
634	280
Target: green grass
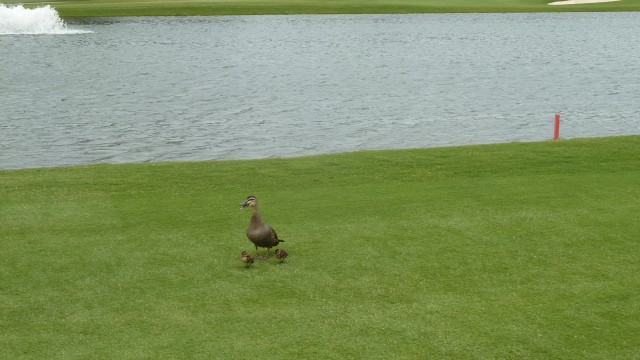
509	251
84	8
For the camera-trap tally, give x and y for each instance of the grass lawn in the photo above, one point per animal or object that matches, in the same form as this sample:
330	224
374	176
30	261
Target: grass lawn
508	251
77	8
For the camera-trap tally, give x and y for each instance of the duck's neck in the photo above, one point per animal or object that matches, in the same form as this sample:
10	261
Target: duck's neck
256	218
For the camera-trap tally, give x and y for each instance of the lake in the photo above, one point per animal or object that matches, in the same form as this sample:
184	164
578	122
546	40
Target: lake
138	89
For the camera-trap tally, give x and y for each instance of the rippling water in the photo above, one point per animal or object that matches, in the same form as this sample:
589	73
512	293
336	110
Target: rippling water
186	88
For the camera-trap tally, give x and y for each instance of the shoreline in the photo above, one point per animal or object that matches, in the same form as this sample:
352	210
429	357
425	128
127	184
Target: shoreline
337	153
580	2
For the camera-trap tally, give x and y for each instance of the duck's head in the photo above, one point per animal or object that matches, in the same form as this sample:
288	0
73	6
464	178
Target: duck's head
251	201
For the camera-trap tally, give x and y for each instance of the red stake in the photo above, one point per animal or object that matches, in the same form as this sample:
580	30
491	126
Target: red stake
556	130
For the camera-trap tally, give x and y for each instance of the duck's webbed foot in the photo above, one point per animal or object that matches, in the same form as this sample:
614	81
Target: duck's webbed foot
260	257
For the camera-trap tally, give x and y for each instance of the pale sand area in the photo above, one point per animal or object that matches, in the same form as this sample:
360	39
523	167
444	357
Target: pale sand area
577	2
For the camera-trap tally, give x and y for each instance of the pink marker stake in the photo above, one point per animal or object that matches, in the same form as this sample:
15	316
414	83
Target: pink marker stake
556	129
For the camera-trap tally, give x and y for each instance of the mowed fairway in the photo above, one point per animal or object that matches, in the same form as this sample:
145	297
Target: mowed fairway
508	251
72	8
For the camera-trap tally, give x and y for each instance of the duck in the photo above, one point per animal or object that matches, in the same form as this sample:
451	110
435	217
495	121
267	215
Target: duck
246	258
281	254
259	233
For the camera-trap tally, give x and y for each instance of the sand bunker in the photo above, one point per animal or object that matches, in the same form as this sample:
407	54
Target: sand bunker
578	2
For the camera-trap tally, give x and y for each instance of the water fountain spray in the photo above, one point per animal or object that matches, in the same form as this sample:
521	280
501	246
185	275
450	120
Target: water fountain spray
16	19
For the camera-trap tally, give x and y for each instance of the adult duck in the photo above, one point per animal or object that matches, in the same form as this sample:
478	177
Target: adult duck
259	233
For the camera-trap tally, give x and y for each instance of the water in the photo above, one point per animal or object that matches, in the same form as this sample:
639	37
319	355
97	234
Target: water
192	88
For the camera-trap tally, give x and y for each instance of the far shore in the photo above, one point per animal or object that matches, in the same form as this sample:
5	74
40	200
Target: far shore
106	8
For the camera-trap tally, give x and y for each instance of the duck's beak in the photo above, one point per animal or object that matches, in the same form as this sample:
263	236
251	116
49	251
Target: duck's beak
244	205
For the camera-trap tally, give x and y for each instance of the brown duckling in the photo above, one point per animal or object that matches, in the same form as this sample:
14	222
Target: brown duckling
281	254
259	233
246	258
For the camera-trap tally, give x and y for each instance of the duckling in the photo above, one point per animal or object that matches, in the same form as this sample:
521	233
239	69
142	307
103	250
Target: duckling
281	254
259	233
246	259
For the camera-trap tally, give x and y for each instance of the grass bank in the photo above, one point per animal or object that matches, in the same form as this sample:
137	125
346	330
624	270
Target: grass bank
91	8
525	250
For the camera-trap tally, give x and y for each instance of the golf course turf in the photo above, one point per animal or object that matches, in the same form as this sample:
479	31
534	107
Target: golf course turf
93	8
505	251
521	250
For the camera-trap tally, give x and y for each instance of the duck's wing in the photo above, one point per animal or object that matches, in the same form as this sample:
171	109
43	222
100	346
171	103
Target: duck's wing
274	236
273	232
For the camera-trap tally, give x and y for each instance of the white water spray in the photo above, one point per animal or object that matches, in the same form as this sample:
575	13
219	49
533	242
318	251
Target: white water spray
16	19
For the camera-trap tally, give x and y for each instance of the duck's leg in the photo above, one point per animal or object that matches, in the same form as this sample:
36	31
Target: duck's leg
258	256
266	257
